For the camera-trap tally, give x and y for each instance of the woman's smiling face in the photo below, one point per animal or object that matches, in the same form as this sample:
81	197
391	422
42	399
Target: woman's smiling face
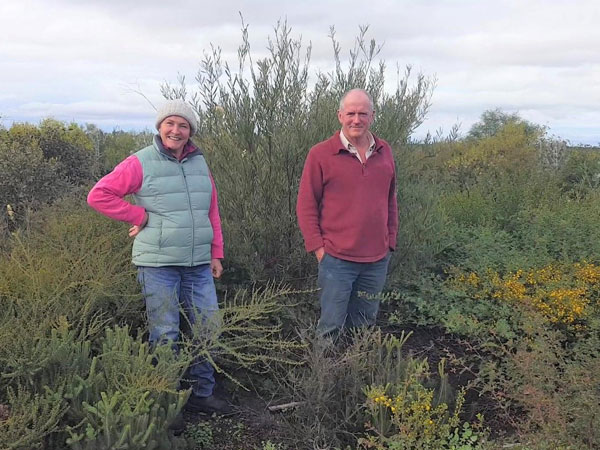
174	133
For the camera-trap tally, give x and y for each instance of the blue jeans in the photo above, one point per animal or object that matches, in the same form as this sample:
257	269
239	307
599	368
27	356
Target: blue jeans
349	292
170	290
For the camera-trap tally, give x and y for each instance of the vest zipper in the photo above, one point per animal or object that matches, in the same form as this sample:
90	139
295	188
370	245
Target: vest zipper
187	191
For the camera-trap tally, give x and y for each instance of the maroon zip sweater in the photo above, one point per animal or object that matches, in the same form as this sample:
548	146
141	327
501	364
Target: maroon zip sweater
347	207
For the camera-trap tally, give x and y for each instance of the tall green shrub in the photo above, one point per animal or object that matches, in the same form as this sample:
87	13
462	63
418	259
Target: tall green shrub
257	123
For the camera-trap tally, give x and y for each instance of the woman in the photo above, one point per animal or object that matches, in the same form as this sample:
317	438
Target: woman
178	243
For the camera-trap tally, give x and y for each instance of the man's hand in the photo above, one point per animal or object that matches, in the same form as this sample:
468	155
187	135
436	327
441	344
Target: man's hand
319	253
216	268
135	230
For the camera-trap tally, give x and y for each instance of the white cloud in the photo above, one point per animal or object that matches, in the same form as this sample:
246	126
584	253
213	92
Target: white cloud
79	61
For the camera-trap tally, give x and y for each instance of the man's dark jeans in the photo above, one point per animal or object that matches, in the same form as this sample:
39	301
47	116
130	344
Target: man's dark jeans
349	292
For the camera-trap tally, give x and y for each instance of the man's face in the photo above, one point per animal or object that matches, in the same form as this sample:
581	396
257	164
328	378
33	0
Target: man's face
174	133
356	116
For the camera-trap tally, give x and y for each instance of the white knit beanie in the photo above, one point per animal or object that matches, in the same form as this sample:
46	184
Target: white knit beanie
179	108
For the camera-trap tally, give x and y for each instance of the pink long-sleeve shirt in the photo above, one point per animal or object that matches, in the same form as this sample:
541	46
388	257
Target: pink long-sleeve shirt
107	195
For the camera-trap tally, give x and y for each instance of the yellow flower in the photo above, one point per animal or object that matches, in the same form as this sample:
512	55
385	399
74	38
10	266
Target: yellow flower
561	293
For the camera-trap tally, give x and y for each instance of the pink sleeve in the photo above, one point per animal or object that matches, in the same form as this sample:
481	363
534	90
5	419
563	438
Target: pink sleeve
217	246
106	196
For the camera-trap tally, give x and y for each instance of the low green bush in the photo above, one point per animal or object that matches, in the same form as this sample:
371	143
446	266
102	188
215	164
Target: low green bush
27	418
67	288
129	396
333	389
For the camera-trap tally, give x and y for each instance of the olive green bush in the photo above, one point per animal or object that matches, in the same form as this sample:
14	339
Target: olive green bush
423	224
580	173
60	284
27	179
38	165
70	147
61	281
493	121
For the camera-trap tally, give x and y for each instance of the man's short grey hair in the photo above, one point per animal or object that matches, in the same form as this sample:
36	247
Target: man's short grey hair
343	99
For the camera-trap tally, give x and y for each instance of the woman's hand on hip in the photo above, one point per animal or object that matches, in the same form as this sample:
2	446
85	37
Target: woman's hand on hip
135	230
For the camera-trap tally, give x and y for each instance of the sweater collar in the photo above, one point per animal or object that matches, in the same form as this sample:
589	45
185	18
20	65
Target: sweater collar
349	146
338	146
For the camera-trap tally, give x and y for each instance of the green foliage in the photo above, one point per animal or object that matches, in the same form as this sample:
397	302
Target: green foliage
557	387
509	152
62	281
553	152
505	199
268	445
71	263
506	213
70	147
29	417
129	396
40	353
220	432
423	225
201	434
492	121
243	334
59	284
40	164
580	174
117	147
114	147
27	179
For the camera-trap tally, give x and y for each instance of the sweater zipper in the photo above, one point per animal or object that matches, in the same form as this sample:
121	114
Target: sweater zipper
187	191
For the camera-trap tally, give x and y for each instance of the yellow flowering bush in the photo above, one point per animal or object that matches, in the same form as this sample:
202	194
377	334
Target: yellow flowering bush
563	294
405	417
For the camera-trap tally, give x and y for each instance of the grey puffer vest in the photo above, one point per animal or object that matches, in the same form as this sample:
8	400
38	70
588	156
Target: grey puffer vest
176	196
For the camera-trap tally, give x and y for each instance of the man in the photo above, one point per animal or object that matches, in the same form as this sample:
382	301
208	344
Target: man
178	243
348	216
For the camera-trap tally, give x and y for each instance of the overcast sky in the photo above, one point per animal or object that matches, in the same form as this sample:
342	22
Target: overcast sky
82	60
